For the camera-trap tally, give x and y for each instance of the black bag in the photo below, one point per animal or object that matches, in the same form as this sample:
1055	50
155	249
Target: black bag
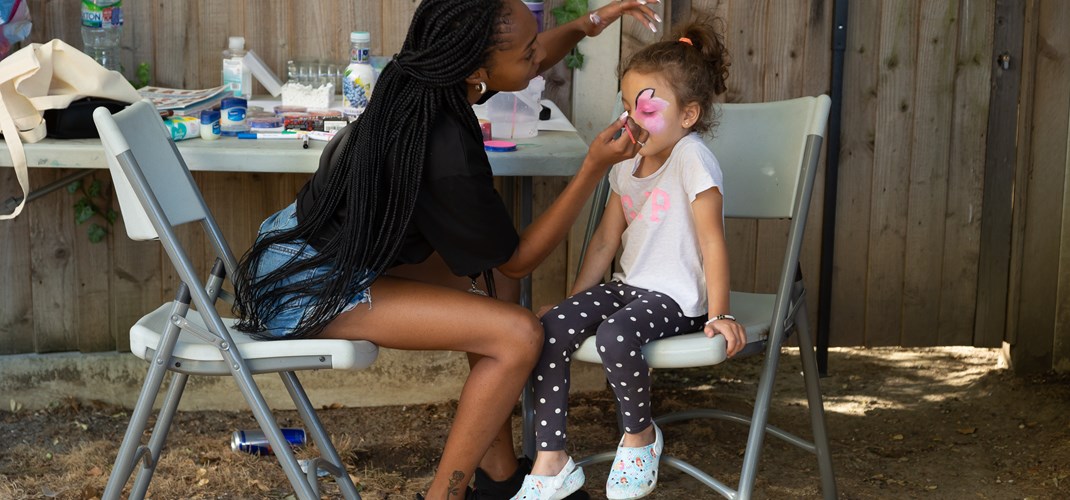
76	120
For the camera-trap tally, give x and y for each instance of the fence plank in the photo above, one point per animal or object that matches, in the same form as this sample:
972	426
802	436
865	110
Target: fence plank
138	44
1061	343
92	264
997	214
172	20
52	263
1032	349
928	170
60	19
895	116
785	41
962	238
549	282
847	324
16	299
746	41
134	282
396	18
817	75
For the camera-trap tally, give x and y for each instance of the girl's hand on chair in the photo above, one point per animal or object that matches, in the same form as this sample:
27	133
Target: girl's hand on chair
605	151
598	20
734	334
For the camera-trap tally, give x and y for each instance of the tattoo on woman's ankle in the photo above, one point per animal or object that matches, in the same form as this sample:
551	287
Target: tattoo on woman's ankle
455	481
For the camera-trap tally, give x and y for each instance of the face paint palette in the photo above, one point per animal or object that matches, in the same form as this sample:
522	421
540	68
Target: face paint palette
499	146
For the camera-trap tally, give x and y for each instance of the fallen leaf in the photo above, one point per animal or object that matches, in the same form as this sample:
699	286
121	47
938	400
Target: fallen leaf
95	471
967	430
202	482
931	487
897	437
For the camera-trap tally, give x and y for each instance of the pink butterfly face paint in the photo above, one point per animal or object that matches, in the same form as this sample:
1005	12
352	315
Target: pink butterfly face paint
648	111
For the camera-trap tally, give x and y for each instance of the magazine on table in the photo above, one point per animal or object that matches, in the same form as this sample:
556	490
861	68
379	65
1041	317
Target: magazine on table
184	101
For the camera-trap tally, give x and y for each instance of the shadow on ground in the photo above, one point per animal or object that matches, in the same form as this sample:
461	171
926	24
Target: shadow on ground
904	423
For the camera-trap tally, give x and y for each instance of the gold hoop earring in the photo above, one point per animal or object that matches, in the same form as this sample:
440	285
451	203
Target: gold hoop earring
481	87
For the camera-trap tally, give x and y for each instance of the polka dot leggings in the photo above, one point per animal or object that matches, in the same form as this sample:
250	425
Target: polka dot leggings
623	318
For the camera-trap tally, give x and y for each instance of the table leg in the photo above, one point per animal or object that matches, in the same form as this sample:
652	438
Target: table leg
527	398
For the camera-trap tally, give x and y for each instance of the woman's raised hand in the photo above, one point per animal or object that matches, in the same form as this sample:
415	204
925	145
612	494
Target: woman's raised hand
609	148
599	19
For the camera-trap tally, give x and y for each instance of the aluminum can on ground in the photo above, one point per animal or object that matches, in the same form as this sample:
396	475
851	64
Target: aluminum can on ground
256	443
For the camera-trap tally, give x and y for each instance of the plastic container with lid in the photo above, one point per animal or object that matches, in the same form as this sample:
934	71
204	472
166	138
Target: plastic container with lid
183	127
210	127
237	76
515	115
233	116
358	79
265	123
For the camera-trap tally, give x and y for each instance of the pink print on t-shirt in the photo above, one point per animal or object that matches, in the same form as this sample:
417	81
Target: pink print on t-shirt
627	204
659	203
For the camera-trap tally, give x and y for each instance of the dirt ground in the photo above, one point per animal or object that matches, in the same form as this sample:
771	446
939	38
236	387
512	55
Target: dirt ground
904	423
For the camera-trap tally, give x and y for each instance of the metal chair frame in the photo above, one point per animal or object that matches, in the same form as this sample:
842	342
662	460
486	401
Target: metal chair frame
157	193
768	318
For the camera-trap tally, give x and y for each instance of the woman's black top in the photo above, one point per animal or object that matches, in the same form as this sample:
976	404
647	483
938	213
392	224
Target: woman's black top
458	212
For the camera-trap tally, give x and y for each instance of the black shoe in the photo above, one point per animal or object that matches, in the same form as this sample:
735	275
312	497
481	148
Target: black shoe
489	489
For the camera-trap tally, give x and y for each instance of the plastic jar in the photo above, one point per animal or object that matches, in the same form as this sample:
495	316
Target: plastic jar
268	123
233	111
210	128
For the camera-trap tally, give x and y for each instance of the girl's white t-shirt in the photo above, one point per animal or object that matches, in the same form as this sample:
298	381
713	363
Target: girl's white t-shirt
660	245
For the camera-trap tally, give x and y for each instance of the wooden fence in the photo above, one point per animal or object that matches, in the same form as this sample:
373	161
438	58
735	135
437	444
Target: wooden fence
917	157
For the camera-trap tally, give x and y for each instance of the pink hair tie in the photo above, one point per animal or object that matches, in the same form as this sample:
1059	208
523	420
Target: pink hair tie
687	41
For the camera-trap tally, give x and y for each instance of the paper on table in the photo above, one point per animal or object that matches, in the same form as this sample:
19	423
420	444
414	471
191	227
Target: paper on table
557	121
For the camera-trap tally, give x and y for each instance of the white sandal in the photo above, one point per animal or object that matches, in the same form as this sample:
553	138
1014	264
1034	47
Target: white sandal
565	483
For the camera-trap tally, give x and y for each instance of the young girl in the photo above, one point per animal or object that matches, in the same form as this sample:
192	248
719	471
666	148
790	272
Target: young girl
666	210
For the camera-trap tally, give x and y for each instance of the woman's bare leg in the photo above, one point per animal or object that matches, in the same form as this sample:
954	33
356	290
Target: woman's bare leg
500	461
408	314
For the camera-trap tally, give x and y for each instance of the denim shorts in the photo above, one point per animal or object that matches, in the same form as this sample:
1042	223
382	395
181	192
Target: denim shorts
279	254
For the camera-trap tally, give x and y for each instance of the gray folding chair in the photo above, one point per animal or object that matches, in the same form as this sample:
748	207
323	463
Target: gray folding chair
769	154
157	193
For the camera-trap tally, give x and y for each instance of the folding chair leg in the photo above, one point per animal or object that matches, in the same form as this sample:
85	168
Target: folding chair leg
527	425
760	417
817	407
255	399
319	436
159	434
131	450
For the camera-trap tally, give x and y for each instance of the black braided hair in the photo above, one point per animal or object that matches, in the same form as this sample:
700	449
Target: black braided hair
378	171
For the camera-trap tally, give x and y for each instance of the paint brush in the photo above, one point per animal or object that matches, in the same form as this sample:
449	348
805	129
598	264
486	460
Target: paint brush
624	118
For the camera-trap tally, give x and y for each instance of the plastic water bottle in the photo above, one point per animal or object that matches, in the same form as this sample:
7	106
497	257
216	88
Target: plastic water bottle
102	26
236	75
359	76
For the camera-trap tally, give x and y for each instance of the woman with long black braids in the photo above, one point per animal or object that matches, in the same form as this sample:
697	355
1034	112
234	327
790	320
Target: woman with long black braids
403	210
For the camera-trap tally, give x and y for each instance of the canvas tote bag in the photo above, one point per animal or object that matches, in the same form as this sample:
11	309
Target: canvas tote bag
47	76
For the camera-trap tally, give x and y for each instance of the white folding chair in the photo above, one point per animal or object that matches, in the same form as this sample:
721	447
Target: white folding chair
769	154
157	193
